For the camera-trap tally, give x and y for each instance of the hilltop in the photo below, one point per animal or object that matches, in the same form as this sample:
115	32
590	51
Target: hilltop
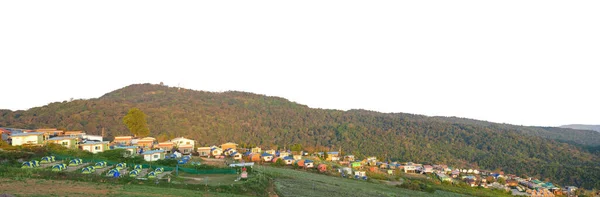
582	127
216	117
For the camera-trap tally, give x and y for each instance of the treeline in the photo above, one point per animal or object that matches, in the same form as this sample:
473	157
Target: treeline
272	122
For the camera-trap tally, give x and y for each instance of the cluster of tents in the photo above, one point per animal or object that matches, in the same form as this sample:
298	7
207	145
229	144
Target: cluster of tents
59	167
184	159
48	159
30	164
156	171
121	166
75	162
88	170
100	164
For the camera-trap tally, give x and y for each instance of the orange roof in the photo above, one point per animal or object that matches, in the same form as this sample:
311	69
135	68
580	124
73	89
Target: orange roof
123	137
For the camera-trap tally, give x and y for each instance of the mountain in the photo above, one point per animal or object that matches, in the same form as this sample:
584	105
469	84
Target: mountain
582	127
561	155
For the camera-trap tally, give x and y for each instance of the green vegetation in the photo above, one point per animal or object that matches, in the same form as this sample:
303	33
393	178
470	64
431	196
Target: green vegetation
135	120
251	119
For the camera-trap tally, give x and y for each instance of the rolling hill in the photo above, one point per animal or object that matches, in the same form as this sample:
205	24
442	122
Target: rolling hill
559	154
582	127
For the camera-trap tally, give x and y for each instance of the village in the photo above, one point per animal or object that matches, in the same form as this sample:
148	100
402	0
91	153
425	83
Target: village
233	155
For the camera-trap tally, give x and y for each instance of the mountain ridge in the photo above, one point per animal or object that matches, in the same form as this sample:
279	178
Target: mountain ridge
582	127
252	119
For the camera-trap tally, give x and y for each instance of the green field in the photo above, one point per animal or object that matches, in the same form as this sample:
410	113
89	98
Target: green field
298	183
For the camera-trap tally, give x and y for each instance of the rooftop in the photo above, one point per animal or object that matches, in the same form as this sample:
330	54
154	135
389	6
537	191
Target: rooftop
62	138
26	134
152	152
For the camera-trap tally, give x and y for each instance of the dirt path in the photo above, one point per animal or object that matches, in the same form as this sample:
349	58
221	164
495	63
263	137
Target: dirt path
46	165
271	189
143	173
99	171
161	175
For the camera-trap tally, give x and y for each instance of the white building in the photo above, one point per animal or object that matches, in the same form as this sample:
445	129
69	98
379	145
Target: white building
33	138
153	155
94	147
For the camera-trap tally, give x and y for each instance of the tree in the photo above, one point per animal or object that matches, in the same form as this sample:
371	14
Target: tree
135	120
325	155
501	180
296	147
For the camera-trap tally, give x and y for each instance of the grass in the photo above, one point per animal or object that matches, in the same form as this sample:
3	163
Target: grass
298	183
43	187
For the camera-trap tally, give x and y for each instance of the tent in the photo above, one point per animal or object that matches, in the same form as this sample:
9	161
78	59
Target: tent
58	167
159	170
74	162
121	166
26	165
152	175
88	170
112	172
137	167
35	163
47	159
134	173
101	164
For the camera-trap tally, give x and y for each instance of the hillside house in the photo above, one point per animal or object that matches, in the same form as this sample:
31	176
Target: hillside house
145	143
284	154
256	150
297	157
349	158
360	173
288	160
166	146
153	155
77	134
255	157
229	151
31	138
236	155
266	157
309	164
410	169
203	151
184	145
130	151
272	152
356	164
123	140
229	145
67	141
216	151
427	169
94	147
48	133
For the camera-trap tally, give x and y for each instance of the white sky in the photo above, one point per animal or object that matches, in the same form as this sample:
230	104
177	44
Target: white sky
519	62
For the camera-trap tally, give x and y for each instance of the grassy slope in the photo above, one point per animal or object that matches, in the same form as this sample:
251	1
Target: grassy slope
298	183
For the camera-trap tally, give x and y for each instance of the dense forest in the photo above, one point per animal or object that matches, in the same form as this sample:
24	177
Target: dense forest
564	156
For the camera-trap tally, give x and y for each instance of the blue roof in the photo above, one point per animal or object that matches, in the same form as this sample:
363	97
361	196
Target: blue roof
288	158
266	155
92	142
152	152
26	134
247	153
232	154
308	161
61	138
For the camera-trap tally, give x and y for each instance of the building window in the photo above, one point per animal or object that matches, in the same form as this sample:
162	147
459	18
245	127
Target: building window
187	143
186	150
155	156
65	143
97	148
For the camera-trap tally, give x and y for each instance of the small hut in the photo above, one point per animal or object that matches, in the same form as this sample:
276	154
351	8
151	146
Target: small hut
322	167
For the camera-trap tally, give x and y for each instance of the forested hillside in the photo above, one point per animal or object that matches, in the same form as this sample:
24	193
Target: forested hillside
582	127
251	119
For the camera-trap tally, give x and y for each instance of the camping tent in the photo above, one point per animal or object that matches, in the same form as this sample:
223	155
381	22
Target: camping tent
88	170
134	173
74	162
112	172
26	165
58	167
159	170
47	159
137	167
152	175
121	166
35	163
101	164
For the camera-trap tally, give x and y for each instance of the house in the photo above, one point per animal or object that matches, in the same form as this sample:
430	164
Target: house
166	146
236	155
360	173
184	145
297	157
322	167
410	169
471	182
333	156
97	138
288	160
255	150
255	157
123	140
266	157
309	163
443	177
229	151
94	147
203	151
427	169
272	152
145	143
31	138
48	133
130	151
67	141
284	154
78	134
216	151
349	158
153	155
228	145
356	164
